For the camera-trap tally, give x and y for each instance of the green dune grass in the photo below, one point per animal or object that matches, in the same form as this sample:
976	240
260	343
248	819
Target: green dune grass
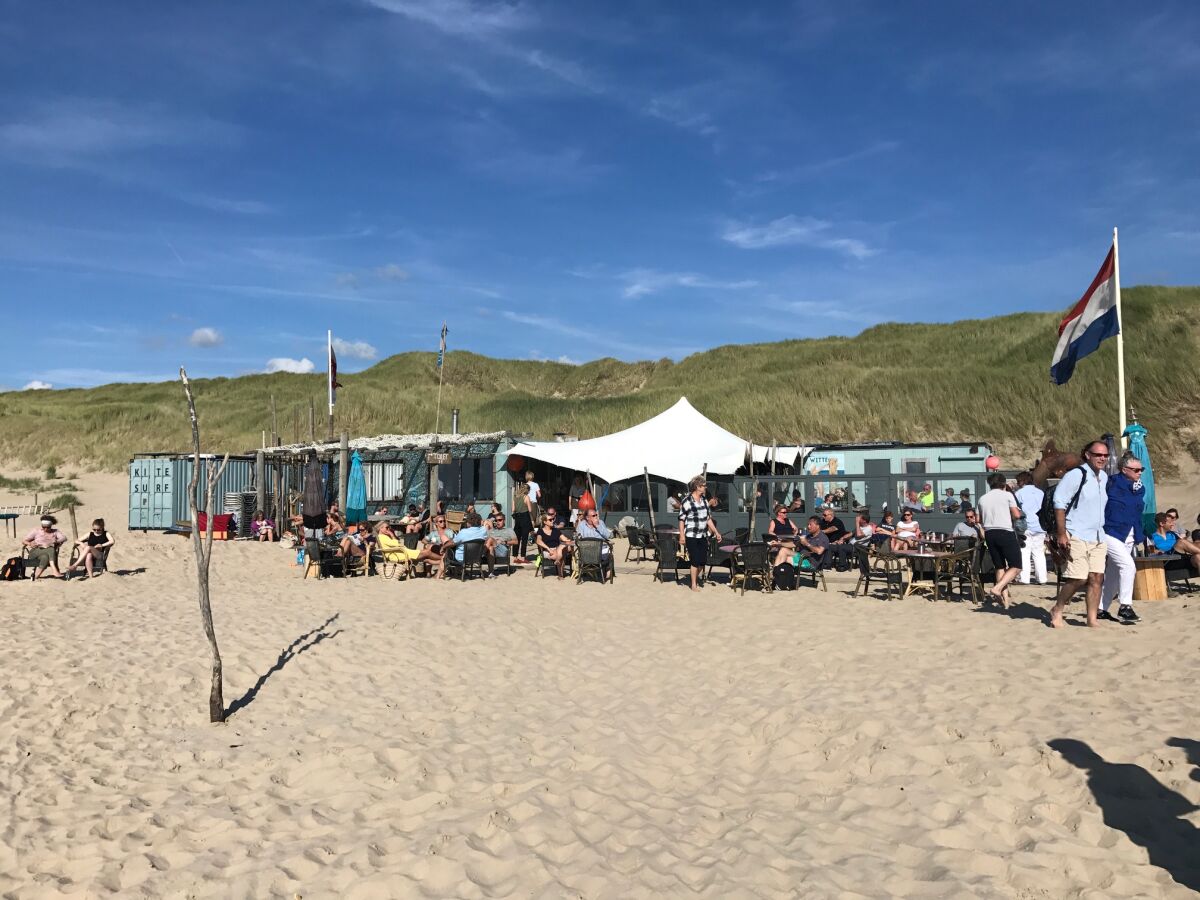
981	379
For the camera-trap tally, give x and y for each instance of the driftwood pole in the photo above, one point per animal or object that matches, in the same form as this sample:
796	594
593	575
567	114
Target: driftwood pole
274	424
649	497
203	549
753	490
74	524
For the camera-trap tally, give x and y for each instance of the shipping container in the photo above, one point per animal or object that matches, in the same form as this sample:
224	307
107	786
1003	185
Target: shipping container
158	487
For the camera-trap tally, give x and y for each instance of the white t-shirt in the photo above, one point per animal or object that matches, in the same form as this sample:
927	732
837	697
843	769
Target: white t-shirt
1030	498
994	510
534	492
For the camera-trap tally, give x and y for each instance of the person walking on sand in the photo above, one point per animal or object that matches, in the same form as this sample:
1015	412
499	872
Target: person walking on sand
1079	502
997	510
1033	551
1122	532
695	524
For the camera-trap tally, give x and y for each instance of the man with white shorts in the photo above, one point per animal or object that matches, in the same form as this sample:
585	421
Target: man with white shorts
1079	502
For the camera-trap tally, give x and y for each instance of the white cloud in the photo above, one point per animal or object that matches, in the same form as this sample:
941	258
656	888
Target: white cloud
206	337
391	272
795	231
347	279
227	204
284	364
461	17
36	385
640	282
354	349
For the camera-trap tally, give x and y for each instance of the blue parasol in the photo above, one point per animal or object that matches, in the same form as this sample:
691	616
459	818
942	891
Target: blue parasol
356	492
1137	446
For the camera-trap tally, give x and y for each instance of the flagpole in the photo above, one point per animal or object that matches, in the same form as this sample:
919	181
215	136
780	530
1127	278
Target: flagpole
437	424
1121	405
329	376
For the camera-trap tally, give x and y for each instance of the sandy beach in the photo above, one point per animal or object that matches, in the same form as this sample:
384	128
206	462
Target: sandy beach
529	738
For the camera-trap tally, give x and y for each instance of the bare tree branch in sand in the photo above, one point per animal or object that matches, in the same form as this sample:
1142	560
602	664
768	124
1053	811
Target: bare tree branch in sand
203	548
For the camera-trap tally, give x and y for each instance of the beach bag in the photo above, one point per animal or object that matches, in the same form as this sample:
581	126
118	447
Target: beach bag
783	577
13	570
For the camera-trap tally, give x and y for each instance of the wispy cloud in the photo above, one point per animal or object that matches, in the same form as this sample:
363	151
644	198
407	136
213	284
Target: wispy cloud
286	364
206	337
463	18
795	231
67	131
496	151
641	282
226	204
816	167
589	336
354	349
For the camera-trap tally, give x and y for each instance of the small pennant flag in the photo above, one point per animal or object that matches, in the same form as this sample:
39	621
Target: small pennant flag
442	348
333	382
1089	322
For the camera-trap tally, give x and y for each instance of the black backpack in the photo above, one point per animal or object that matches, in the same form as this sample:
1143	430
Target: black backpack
1046	515
13	570
783	577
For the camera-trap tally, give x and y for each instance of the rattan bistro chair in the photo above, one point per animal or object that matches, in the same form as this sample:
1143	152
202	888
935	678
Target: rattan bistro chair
592	562
472	559
669	559
752	561
879	565
639	544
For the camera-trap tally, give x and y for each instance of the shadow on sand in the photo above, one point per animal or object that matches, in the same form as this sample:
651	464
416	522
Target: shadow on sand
1133	801
306	641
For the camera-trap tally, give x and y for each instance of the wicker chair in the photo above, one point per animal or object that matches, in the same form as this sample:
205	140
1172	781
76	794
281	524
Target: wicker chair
592	562
752	561
667	545
472	559
639	544
877	564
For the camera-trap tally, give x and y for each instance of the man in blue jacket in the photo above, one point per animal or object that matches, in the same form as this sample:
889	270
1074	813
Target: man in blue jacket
1122	532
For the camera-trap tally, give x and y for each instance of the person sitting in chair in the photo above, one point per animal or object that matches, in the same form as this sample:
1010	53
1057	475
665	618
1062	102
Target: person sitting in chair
781	530
472	530
1164	539
969	527
815	542
43	543
93	550
500	541
555	546
591	528
261	527
908	532
833	528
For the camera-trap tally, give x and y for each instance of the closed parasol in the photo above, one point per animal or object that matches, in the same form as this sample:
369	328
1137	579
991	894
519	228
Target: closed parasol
356	492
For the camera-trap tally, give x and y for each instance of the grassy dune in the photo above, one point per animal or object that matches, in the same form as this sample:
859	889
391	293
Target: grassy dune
979	379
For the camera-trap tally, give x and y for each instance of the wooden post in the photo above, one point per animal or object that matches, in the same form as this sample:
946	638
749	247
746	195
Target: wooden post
203	550
343	471
312	421
260	481
753	492
774	453
649	497
274	424
74	524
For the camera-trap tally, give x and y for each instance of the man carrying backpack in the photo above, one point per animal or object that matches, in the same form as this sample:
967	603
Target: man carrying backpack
1079	502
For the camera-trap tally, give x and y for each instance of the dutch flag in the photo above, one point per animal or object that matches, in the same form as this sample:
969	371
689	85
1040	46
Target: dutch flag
1093	319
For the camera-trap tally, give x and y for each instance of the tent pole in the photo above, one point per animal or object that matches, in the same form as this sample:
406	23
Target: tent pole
753	490
649	498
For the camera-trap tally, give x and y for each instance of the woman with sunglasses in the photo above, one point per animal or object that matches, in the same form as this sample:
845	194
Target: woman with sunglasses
436	541
908	532
555	545
1122	532
93	549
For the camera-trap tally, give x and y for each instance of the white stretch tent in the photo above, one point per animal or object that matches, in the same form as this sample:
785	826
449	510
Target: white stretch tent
675	445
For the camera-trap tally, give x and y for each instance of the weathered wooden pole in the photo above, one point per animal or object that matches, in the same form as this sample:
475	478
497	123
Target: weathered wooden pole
274	424
649	497
203	551
343	472
74	524
312	421
260	481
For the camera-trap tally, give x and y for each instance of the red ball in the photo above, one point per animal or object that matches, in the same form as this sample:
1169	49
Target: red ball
992	463
515	463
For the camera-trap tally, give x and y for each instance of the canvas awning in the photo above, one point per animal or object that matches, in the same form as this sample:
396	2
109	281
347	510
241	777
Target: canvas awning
675	444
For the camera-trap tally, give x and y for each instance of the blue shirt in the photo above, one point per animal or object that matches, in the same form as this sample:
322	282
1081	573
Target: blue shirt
474	533
1086	520
1123	512
1165	542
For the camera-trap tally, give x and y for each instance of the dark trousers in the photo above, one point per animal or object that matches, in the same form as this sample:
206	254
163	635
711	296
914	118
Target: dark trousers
841	554
523	526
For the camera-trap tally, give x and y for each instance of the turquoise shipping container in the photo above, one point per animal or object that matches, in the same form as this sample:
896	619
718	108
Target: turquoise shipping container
158	488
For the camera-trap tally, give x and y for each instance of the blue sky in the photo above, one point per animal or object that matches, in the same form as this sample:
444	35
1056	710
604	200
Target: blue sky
216	184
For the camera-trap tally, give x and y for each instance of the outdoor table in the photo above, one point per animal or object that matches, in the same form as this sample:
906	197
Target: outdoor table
936	559
1150	581
10	522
